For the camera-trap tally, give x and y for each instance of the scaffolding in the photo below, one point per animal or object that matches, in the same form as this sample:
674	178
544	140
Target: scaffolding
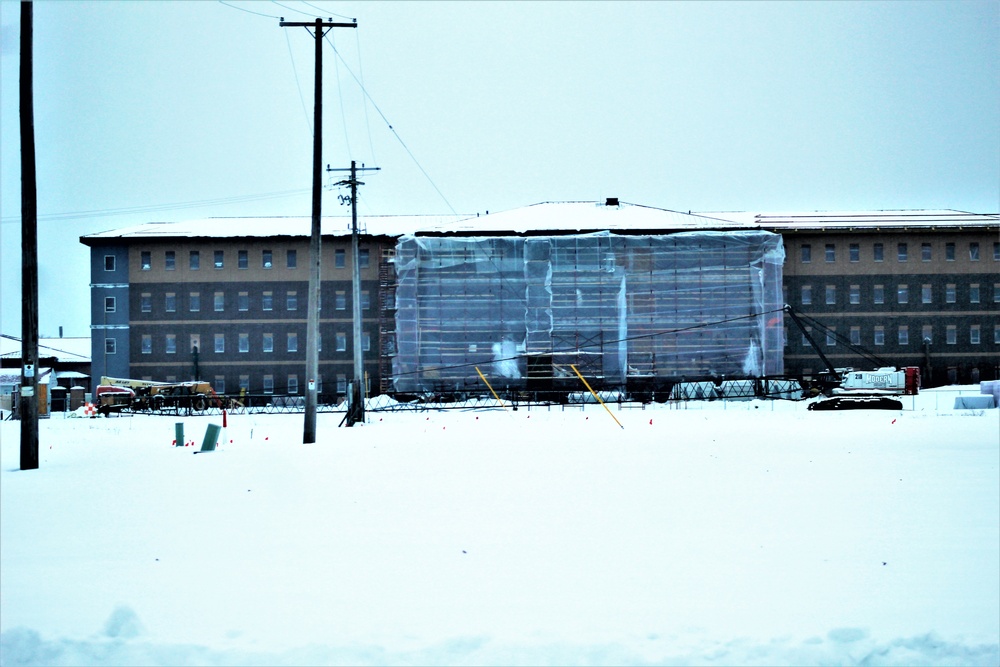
627	310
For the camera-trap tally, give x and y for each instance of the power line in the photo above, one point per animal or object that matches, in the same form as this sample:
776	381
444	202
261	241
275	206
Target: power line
107	212
291	9
295	71
392	129
326	12
248	11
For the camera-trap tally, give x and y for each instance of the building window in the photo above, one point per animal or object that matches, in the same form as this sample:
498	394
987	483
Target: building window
267	301
974	293
903	294
951	334
925	252
266	259
219	384
879	334
926	333
147	344
110	346
293	342
341	383
855	252
974	334
340	300
950	293
242	259
244	384
146	260
339	258
366	341
293	384
854	294
194	302
831	295
170	302
949	252
169	260
831	338
219	301
878	252
220	259
855	335
341	342
996	292
146	302
268	383
807	295
109	304
363	257
291	301
996	333
195	343
109	262
901	252
903	334
996	251
171	344
292	259
195	262
366	300
974	252
220	343
268	342
878	294
831	252
244	342
925	294
243	301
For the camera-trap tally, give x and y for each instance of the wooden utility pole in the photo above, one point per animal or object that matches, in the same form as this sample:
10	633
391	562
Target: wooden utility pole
356	404
28	400
320	28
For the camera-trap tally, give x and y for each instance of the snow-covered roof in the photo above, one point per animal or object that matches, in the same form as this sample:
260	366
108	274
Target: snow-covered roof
850	220
64	350
270	227
547	217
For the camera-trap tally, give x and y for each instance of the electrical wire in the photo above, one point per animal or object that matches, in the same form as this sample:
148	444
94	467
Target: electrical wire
361	71
326	12
101	213
392	129
248	11
291	9
295	71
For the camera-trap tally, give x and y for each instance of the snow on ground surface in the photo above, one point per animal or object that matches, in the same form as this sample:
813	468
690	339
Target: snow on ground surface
720	534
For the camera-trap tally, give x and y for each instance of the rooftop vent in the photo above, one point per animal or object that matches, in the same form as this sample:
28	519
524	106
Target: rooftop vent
611	201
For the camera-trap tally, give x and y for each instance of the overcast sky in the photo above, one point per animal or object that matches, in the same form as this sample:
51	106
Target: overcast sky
176	110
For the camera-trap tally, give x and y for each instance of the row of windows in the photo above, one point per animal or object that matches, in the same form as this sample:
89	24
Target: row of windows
267	342
267	301
973	294
903	337
292	339
242	259
902	252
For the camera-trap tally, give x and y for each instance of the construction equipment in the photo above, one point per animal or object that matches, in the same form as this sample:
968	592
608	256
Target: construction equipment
850	389
117	394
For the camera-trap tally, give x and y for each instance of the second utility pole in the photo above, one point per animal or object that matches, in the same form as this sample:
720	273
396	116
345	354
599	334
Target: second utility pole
315	249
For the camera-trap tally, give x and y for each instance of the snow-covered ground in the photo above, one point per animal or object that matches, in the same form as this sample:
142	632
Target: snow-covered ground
721	534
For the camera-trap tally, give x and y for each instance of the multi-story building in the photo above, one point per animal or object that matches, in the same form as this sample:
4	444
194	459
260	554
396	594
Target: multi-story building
914	288
224	300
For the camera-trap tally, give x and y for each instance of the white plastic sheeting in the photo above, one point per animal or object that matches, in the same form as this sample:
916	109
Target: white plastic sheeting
523	309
